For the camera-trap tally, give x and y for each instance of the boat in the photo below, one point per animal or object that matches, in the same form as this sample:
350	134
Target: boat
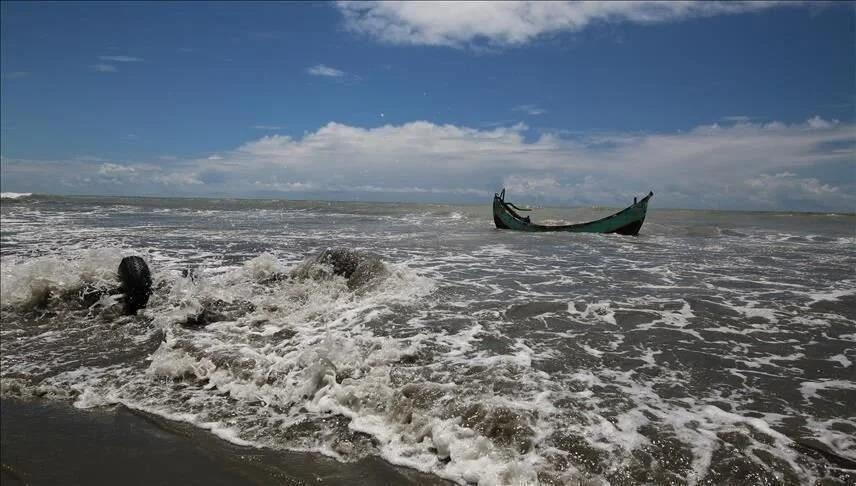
628	221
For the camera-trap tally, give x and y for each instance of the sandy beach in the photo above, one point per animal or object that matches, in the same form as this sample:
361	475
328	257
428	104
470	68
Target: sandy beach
46	443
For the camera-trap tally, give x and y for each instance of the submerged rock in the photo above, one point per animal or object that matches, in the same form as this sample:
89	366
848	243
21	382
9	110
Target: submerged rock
502	425
358	268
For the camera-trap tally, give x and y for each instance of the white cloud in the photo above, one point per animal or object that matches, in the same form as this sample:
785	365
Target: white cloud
322	70
737	118
110	169
285	186
87	175
514	22
739	166
603	169
770	191
530	109
104	68
120	59
389	144
177	179
818	122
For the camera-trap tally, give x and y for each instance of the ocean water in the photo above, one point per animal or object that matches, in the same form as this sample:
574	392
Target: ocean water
714	348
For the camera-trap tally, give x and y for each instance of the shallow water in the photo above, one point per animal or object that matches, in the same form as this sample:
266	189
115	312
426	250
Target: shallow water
715	347
48	442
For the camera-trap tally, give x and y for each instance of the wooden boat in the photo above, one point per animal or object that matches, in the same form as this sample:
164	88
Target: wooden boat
625	222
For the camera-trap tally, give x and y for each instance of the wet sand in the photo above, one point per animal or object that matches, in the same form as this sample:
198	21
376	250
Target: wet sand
46	443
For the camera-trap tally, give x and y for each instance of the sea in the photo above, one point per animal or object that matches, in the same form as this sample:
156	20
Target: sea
713	348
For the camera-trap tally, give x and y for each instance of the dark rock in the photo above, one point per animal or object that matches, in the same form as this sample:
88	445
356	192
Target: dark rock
357	267
136	283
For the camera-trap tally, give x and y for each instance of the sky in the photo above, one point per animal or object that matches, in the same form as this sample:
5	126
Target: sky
711	105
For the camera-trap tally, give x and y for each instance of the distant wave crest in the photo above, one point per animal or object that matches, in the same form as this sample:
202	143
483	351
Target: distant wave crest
15	195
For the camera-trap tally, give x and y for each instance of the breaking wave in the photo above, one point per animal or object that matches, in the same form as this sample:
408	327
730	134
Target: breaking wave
15	195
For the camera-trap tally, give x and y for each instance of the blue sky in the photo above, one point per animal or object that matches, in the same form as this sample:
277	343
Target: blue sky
711	105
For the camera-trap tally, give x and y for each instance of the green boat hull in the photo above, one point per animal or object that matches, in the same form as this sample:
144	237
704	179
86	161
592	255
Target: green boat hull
625	222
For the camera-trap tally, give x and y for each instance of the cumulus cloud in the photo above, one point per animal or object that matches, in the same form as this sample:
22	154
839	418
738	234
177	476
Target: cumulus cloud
818	122
327	71
392	145
115	170
736	166
461	23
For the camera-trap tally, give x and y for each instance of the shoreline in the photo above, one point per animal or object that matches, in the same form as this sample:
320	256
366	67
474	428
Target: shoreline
44	442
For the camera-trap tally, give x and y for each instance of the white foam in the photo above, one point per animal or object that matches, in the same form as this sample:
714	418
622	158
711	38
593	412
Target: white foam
827	432
832	295
22	280
89	398
809	389
598	311
590	350
168	363
768	360
750	311
648	356
841	359
14	195
263	266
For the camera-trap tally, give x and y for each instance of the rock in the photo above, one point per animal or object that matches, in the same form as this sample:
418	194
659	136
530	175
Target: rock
357	267
136	283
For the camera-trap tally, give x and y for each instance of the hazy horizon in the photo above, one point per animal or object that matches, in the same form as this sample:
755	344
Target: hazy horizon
520	200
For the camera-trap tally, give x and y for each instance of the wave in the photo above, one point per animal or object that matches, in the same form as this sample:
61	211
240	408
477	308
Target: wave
15	195
299	356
